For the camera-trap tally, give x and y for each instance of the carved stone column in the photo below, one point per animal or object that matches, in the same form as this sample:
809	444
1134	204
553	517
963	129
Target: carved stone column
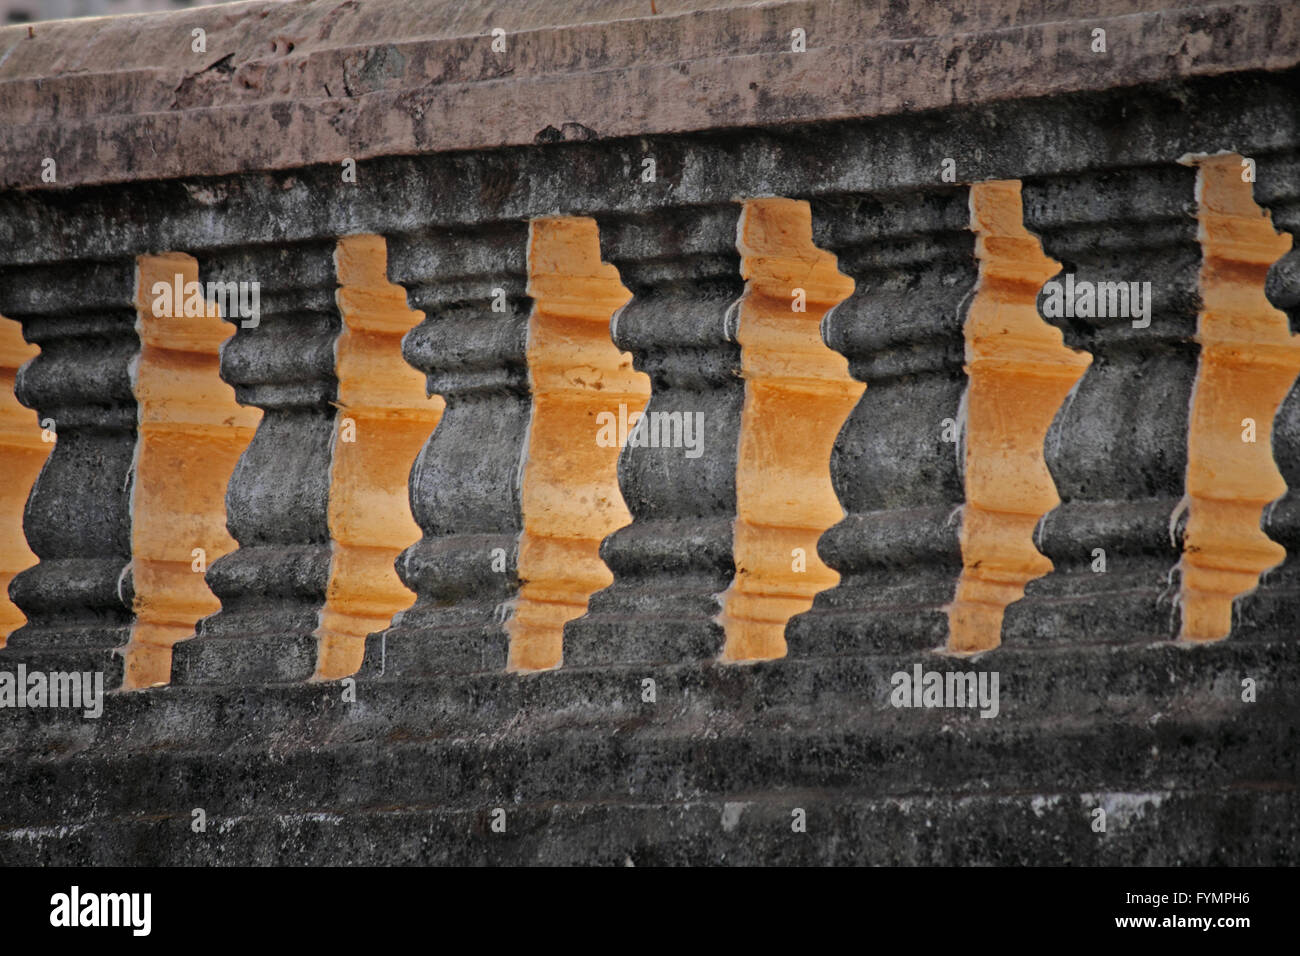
282	361
1273	610
1118	447
896	465
190	434
77	600
678	469
465	485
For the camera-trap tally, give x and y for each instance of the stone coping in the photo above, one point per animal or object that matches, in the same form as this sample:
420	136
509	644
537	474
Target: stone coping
284	85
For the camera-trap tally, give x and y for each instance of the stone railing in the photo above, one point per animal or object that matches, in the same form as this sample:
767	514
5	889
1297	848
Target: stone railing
583	423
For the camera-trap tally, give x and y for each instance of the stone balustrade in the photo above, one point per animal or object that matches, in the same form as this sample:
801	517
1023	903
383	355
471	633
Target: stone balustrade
604	391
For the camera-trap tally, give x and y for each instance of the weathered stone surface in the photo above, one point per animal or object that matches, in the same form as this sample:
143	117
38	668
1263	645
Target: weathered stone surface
896	465
675	558
465	484
1118	448
1132	719
1171	828
273	587
642	748
78	598
1273	609
283	86
1256	112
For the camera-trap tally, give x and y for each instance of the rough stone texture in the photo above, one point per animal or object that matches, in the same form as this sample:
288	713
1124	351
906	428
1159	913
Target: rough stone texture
236	164
78	598
1158	731
1271	609
1118	448
466	483
273	586
675	558
282	86
1252	113
912	256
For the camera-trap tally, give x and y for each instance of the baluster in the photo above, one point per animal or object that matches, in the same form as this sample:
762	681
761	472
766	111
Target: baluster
1272	611
797	394
273	587
77	600
1020	372
465	485
676	557
1118	447
385	417
189	437
580	380
896	465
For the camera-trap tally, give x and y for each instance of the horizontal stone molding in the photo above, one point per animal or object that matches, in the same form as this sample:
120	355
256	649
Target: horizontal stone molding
1251	113
279	86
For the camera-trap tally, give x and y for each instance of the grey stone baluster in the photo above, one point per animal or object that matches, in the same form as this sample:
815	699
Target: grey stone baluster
1273	610
675	558
1118	447
78	521
896	465
273	587
465	485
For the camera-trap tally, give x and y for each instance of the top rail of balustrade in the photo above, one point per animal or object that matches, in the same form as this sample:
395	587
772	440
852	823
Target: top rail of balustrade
271	86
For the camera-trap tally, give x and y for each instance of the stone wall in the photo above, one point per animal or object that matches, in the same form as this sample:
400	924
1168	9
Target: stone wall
961	341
